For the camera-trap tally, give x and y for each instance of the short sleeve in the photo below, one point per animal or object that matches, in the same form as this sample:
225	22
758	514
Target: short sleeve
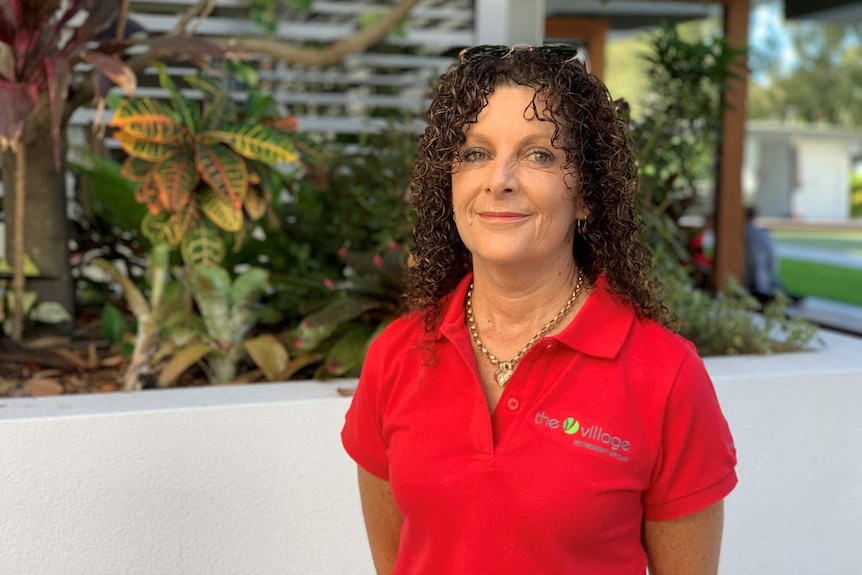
362	434
696	462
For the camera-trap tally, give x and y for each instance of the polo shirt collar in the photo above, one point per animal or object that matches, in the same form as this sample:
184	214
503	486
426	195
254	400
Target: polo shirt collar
603	324
599	329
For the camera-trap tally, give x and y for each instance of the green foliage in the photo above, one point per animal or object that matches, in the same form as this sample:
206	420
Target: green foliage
46	312
108	194
821	85
359	203
369	296
677	137
856	195
266	13
728	323
676	140
114	324
153	311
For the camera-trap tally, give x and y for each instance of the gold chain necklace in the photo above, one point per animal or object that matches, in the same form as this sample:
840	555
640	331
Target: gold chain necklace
504	369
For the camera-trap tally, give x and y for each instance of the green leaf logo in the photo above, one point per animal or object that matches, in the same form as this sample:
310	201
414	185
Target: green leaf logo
571	426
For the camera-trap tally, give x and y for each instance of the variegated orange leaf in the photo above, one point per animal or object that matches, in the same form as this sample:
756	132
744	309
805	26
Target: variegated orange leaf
256	142
220	211
224	171
136	169
148	194
285	123
254	204
176	178
146	119
203	246
149	151
161	228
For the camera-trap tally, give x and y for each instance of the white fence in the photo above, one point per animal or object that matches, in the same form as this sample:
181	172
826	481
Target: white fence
347	98
253	479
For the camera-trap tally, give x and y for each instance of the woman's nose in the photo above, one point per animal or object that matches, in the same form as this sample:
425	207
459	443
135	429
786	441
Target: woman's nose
502	177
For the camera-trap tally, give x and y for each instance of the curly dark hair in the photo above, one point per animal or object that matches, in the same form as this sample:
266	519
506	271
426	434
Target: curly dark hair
594	135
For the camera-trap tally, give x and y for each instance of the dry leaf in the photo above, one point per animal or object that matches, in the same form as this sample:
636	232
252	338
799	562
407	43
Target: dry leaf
73	358
47	374
248	377
112	361
43	387
47	342
345	391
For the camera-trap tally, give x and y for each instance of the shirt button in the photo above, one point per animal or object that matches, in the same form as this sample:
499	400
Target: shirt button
513	404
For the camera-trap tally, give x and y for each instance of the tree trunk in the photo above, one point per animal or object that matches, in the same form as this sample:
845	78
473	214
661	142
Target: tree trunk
46	227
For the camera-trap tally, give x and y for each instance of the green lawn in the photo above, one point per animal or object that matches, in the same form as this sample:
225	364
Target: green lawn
822	280
845	240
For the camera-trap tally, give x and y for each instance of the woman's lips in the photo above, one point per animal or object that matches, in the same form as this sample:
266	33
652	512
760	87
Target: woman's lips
501	217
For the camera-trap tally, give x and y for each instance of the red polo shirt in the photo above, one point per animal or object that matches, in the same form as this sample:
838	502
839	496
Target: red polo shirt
608	423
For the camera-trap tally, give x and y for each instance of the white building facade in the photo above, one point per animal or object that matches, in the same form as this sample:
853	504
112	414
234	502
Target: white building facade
800	172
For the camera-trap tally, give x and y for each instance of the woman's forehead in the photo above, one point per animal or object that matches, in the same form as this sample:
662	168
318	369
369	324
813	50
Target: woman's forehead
509	103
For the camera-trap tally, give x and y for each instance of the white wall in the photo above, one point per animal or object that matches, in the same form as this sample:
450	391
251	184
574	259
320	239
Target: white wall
797	421
823	191
770	166
799	171
252	479
232	480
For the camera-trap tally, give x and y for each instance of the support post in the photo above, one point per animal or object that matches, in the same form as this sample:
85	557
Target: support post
510	22
592	32
730	243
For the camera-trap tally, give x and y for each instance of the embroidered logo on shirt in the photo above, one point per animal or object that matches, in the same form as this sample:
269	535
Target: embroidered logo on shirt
592	437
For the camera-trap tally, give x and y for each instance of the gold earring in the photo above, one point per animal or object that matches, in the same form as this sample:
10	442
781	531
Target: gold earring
581	226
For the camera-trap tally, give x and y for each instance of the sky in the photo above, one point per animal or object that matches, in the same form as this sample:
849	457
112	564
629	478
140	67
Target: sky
768	30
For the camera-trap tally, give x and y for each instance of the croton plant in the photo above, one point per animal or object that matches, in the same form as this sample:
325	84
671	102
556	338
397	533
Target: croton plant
203	165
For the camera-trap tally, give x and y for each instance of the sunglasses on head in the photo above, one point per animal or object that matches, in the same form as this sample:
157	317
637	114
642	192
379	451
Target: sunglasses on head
566	51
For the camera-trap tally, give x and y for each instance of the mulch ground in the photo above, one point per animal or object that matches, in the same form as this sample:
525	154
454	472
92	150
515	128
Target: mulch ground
81	363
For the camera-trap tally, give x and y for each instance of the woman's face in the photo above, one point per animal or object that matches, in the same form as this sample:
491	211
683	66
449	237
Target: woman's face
511	197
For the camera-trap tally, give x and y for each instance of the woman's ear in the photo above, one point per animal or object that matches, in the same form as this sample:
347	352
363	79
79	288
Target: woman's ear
581	211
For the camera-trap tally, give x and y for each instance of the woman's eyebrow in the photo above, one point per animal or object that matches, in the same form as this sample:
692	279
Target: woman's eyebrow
533	138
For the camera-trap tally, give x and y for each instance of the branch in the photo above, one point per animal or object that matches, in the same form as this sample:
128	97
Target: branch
292	54
202	6
122	18
328	56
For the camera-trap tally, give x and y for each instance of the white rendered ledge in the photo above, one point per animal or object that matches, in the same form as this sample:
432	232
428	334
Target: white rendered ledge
173	399
830	354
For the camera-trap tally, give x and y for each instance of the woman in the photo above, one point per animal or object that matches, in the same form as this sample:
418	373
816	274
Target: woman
532	414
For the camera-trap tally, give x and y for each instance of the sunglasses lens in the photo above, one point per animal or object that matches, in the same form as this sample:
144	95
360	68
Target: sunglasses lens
565	50
488	51
485	51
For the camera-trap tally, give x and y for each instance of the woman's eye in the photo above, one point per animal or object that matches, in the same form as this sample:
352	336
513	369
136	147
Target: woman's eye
474	156
541	156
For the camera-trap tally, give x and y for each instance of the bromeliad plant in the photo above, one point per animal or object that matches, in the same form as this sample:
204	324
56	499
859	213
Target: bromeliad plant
336	337
229	309
203	168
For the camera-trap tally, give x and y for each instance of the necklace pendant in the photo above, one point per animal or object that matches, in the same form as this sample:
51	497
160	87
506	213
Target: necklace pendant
503	373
